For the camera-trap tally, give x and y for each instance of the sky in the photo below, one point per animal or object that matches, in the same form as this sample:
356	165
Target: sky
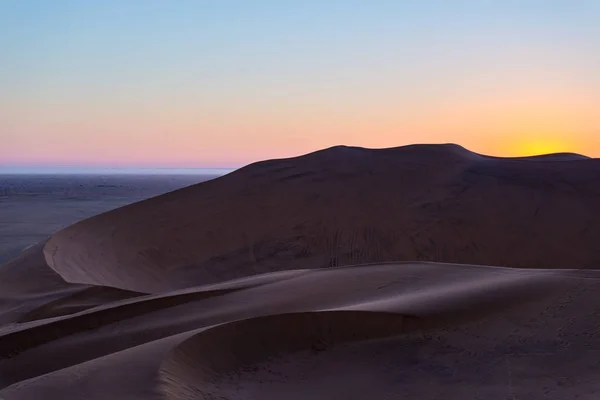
222	83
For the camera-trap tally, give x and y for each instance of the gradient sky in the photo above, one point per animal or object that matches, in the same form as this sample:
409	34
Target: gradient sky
221	83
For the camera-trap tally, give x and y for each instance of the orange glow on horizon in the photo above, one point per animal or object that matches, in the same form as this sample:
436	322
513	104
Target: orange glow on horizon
507	125
503	80
541	146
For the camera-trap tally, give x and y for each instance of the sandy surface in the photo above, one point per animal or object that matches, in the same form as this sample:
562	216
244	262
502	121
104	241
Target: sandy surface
343	274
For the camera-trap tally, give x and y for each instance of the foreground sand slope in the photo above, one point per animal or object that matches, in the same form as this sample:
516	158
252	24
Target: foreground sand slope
30	290
385	331
344	206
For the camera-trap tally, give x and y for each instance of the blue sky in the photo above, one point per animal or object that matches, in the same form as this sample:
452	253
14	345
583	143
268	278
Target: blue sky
223	83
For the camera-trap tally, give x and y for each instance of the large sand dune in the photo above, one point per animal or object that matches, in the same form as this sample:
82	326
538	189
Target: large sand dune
312	278
344	206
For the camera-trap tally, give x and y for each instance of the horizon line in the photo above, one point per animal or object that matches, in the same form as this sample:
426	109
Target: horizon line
96	170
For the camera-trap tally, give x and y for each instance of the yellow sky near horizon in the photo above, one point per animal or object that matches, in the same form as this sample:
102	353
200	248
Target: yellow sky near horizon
116	84
183	139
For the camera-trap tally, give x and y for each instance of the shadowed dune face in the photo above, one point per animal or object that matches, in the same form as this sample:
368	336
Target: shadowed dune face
247	286
404	349
344	206
29	290
195	367
382	331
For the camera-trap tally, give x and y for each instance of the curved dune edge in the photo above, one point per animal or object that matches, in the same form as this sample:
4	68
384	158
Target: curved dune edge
82	300
37	333
344	206
32	332
192	368
28	287
130	374
358	305
383	288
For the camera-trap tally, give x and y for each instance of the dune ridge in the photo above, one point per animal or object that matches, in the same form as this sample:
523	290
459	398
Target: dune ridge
421	272
195	365
208	359
344	206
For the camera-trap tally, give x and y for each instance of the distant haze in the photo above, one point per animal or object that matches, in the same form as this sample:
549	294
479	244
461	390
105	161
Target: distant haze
18	170
223	83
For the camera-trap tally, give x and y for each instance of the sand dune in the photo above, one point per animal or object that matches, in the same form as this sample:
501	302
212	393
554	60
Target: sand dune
383	321
313	277
344	206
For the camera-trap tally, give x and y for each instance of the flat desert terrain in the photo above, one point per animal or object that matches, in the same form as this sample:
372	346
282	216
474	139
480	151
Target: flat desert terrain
420	272
33	207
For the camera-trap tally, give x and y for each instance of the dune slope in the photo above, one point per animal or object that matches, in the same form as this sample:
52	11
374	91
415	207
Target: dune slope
420	272
344	206
376	331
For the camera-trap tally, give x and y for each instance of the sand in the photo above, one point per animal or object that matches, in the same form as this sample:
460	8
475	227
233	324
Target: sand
421	272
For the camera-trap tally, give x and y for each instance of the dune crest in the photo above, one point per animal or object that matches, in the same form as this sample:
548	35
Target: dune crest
403	328
419	272
344	206
195	366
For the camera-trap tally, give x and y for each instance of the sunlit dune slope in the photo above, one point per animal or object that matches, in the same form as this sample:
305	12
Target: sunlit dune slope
382	331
